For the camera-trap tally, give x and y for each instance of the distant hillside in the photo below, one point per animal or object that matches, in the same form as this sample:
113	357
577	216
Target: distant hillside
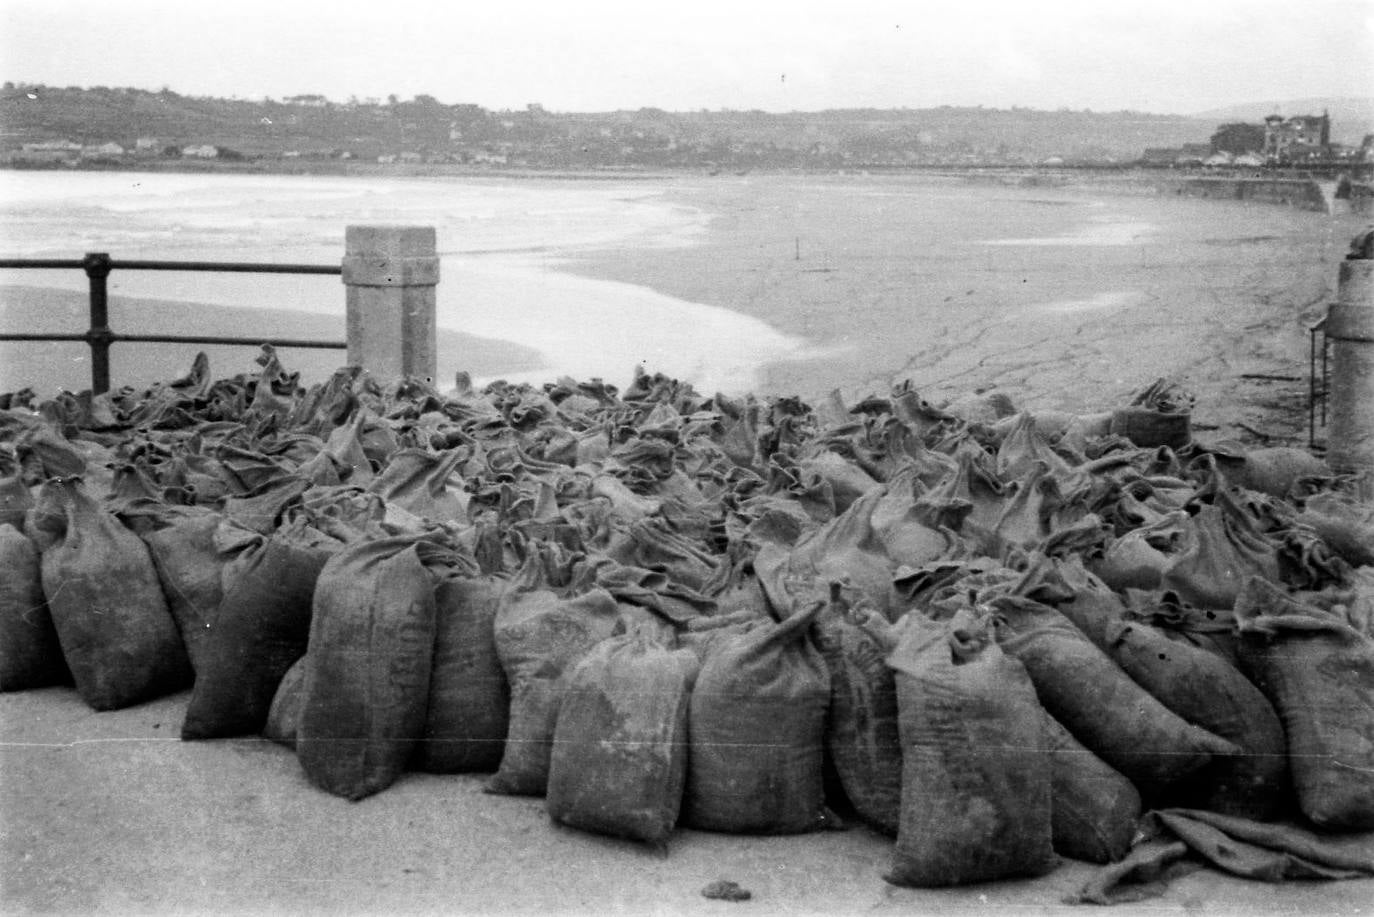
424	129
1351	117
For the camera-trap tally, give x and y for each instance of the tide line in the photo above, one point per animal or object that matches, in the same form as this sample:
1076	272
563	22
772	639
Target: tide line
586	328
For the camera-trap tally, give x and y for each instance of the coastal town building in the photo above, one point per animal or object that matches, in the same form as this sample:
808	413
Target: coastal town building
1296	138
1193	154
48	152
1297	141
102	151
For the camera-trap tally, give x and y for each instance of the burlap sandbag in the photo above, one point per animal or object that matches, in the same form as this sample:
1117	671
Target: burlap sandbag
189	565
861	732
117	635
15	500
976	783
1208	691
1109	713
541	633
30	655
261	628
367	670
619	760
1094	808
757	732
1319	673
469	701
284	716
1222	547
1158	415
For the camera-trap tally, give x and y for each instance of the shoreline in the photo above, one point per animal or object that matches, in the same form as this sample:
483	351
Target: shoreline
837	282
1222	300
1291	187
63	311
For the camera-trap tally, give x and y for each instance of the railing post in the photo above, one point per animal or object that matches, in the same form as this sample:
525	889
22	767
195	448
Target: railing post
1350	329
390	273
99	336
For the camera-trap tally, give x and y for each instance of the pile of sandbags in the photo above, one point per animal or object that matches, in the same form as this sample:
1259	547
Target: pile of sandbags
1007	635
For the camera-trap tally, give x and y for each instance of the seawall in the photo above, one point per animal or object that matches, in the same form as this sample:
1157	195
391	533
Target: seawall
1305	194
1312	194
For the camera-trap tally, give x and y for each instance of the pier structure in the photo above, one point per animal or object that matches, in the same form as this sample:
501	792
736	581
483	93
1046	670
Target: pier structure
391	273
1349	328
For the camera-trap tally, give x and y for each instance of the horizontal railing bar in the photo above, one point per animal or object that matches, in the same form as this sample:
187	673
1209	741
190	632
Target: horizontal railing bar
226	266
209	339
136	264
173	339
42	262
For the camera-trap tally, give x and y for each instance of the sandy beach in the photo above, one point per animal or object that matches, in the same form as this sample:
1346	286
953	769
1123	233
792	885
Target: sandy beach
47	366
1221	297
1061	298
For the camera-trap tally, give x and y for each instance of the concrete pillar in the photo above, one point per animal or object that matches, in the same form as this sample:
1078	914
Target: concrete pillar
1350	331
390	273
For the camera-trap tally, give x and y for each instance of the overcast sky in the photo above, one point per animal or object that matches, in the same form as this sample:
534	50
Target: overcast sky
1166	56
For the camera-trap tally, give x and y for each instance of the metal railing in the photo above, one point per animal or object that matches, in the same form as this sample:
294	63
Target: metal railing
99	336
1317	386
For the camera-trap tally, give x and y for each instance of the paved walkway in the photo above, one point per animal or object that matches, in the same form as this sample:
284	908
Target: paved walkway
111	813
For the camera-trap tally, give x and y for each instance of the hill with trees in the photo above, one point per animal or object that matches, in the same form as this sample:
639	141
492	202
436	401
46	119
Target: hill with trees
423	129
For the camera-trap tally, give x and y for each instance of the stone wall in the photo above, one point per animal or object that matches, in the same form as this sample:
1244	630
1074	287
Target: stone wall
1305	194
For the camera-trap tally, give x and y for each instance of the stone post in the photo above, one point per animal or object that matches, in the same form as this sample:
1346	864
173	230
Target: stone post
1350	330
390	273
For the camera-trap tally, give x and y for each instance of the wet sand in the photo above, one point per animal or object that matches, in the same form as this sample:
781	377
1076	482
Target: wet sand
47	367
1220	295
1060	298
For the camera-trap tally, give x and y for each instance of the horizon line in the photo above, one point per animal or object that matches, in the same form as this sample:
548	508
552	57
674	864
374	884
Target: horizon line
354	99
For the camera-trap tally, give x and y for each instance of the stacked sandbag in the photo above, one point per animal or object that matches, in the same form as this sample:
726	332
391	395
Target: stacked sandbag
1319	673
1083	598
261	628
1112	715
903	524
1344	523
847	548
1222	548
1158	415
190	563
1138	558
15	498
468	714
1093	807
391	578
542	630
619	759
30	654
117	635
861	731
1207	691
1279	471
284	716
366	681
1210	629
757	729
976	777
